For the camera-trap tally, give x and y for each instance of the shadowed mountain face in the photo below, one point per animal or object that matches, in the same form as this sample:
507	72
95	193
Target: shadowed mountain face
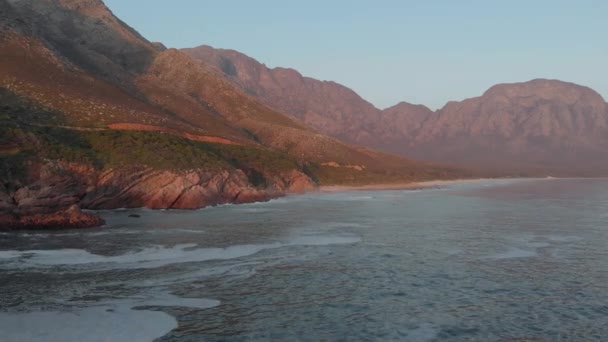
537	127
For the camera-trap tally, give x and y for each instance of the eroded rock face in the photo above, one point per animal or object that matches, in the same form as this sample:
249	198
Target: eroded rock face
158	189
57	186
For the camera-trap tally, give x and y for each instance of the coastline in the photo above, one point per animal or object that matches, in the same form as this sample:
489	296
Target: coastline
404	186
74	218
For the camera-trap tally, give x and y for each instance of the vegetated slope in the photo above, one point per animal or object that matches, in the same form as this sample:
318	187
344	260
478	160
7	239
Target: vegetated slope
533	128
76	82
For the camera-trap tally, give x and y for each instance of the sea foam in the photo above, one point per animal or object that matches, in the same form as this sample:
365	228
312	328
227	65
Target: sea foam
511	254
95	324
152	256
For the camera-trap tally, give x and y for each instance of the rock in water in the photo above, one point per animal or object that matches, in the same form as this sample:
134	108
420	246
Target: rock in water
69	218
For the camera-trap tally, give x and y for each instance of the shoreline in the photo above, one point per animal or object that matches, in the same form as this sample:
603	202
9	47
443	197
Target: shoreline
74	218
407	186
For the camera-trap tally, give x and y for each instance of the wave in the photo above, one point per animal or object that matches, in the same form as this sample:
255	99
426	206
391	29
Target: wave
152	256
564	238
511	254
423	333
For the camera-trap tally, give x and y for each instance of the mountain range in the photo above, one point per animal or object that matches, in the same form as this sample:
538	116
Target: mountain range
536	128
95	116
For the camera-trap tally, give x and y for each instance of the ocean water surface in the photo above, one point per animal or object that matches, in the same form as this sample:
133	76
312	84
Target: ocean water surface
501	260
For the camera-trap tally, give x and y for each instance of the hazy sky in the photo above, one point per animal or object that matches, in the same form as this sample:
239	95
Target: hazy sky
388	51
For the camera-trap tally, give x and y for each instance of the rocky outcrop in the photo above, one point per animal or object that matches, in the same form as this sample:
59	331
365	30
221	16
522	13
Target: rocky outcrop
158	189
69	218
57	186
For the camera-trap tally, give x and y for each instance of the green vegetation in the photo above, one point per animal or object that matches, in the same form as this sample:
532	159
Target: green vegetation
114	148
153	149
251	157
22	143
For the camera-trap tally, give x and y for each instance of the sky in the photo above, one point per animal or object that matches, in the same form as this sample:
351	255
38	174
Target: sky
424	52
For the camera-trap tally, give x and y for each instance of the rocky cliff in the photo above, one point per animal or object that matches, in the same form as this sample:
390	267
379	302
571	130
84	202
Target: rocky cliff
41	202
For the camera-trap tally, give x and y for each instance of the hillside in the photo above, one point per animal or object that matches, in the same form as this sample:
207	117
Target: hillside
93	114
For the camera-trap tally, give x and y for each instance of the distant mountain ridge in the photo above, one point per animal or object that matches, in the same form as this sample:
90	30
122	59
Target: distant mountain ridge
530	128
541	126
325	106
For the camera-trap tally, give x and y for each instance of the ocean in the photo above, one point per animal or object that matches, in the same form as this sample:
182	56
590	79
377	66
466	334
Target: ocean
493	260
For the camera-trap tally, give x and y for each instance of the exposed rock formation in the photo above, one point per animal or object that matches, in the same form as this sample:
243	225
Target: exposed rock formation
59	185
193	189
69	218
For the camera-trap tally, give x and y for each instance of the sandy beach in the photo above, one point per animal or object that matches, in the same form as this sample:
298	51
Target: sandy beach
400	186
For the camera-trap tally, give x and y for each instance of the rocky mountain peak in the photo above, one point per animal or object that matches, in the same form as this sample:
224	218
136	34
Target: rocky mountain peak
547	90
406	118
406	106
85	33
94	8
540	125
